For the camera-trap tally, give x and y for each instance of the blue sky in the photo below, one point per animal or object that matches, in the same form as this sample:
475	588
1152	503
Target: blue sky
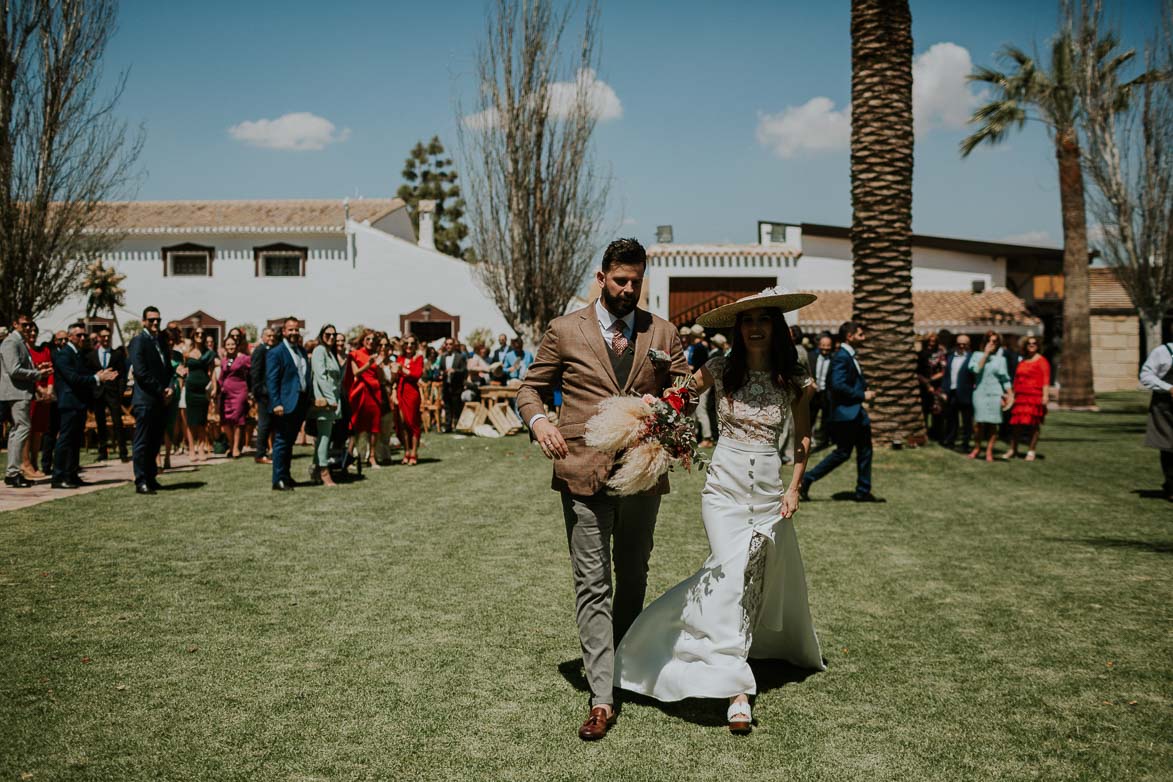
727	113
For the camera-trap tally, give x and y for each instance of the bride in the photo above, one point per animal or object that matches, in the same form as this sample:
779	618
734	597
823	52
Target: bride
749	598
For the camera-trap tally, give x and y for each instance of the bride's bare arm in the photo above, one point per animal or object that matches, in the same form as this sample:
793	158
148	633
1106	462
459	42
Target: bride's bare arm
801	409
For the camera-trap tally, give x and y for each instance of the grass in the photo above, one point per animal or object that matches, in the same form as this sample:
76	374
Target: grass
1005	621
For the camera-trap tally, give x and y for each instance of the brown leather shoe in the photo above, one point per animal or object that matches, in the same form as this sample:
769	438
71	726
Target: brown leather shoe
596	724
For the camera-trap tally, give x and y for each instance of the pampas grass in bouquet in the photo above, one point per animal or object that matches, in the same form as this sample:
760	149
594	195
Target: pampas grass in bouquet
650	435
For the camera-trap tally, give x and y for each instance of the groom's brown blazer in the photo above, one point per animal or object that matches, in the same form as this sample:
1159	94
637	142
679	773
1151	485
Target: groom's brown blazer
573	356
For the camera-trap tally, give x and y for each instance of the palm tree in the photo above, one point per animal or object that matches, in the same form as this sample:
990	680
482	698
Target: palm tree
1028	90
104	293
881	200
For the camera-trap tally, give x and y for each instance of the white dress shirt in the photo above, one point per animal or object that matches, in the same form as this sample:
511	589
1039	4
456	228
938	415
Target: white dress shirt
955	367
851	352
822	366
1156	367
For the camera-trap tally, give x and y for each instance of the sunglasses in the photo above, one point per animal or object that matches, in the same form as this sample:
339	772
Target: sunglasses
151	320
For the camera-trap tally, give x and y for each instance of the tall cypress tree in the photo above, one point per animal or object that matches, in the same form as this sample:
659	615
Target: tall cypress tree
429	175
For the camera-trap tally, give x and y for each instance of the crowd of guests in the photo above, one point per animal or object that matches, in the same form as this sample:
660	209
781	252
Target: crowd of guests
991	393
356	400
966	396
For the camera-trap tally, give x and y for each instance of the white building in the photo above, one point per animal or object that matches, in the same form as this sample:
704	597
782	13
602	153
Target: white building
959	285
221	264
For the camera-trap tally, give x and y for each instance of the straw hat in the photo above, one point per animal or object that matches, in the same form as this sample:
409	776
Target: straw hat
726	315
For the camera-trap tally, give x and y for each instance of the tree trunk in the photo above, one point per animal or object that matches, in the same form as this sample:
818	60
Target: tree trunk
1076	383
1151	324
881	199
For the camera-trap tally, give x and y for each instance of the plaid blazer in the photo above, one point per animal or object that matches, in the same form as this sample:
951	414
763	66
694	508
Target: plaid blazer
573	357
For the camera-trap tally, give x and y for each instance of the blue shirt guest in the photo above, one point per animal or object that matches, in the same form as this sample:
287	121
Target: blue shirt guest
152	394
287	374
517	360
75	388
957	385
851	428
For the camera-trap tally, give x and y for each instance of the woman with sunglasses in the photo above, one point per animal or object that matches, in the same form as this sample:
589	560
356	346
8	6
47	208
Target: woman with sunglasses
233	383
407	391
991	382
198	390
1032	379
365	395
327	374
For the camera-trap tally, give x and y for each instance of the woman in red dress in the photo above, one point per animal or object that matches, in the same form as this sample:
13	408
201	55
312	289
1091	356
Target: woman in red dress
42	406
408	392
1031	381
365	397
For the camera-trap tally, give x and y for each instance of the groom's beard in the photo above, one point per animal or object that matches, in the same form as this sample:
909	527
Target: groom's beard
619	306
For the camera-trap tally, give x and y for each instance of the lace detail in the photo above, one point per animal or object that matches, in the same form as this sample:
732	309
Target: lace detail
757	412
751	596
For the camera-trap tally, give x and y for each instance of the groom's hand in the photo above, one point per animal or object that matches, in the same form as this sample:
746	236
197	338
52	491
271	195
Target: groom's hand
550	439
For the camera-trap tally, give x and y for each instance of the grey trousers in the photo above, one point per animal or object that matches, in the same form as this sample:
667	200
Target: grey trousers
594	526
22	425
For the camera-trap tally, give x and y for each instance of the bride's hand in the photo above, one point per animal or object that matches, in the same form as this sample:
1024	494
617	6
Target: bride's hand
789	503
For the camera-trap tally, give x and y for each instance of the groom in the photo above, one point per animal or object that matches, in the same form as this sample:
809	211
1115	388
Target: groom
595	353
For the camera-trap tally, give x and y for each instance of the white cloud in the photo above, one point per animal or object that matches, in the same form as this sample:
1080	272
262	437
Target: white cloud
816	125
300	131
630	221
563	95
941	98
1034	238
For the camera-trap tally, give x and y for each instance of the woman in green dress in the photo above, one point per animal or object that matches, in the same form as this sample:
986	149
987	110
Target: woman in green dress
198	390
991	382
172	436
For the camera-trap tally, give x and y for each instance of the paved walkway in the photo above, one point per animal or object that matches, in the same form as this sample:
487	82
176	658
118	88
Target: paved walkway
101	475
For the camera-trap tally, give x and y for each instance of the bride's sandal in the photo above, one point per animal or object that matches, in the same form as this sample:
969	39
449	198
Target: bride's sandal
740	719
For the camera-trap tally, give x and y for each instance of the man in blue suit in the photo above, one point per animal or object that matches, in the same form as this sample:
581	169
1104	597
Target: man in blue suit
957	386
75	388
287	376
851	428
152	394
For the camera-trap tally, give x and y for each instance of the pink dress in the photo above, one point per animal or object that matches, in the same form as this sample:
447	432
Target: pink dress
234	377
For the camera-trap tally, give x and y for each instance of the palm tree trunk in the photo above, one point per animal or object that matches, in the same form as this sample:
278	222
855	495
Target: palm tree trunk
881	199
1076	386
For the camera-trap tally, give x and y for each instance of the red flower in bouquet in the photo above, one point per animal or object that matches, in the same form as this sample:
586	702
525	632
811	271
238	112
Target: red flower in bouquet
650	433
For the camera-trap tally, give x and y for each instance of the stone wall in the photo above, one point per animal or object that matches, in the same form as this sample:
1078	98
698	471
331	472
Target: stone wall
1115	352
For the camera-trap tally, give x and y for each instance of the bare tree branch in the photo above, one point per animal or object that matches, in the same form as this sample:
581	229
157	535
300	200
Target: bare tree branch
536	200
62	151
1128	126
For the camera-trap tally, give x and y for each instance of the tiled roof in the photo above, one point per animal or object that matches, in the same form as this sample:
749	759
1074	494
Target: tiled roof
1105	291
261	216
724	250
992	308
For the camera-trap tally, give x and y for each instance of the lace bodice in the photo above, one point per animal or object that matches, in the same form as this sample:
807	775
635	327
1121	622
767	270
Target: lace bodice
757	412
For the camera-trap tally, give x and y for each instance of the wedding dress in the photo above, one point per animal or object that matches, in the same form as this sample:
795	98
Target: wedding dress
749	598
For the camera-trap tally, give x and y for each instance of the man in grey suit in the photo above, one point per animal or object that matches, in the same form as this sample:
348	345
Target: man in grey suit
18	378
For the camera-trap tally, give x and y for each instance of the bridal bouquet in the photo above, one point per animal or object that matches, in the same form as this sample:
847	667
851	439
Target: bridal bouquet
653	433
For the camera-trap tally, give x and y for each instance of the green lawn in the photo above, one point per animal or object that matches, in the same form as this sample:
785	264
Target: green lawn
1000	622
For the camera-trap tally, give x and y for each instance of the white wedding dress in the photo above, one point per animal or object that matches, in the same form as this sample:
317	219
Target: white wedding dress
749	598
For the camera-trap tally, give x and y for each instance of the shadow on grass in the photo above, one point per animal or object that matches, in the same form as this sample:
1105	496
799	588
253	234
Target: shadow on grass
1150	494
1151	546
706	712
184	485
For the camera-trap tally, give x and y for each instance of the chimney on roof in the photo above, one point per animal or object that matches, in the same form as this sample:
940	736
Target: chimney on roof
979	286
427	215
663	234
